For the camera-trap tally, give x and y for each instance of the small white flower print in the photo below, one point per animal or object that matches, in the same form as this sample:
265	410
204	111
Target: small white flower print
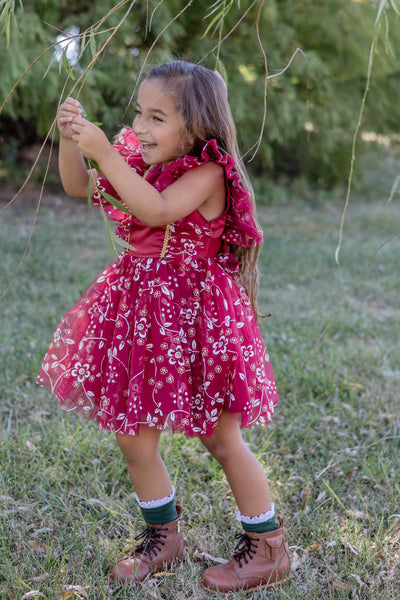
220	346
80	371
247	352
176	356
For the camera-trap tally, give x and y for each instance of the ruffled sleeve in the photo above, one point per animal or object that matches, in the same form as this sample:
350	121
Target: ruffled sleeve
241	228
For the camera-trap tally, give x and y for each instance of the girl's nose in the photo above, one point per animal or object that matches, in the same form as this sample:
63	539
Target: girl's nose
138	125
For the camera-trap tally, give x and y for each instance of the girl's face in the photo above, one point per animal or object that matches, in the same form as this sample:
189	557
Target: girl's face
158	125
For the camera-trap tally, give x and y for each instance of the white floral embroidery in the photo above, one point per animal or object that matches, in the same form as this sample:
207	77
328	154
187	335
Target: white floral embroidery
80	371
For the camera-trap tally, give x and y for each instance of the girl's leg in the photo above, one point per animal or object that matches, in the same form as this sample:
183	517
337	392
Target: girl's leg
261	557
146	468
162	541
244	473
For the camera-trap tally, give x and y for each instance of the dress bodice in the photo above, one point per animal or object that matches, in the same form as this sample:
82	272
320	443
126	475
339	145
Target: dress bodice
191	237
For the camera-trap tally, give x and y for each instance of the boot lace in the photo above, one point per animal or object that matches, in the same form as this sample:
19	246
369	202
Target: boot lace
150	541
244	549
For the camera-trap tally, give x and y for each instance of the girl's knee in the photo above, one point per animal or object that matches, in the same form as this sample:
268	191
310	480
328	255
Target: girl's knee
225	442
138	448
217	448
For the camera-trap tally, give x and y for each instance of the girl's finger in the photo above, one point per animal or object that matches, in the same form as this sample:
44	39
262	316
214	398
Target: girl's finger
80	121
65	119
72	102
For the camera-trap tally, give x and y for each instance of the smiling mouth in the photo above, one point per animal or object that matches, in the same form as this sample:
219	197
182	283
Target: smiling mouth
146	146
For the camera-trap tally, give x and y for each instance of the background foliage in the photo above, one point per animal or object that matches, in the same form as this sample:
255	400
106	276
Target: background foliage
321	90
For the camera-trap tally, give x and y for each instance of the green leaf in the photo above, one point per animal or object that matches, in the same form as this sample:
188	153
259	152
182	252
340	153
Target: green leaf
83	42
108	232
213	21
8	27
66	65
388	45
219	16
52	60
115	202
83	111
394	189
214	7
93	164
121	242
382	6
89	195
396	6
7	12
93	48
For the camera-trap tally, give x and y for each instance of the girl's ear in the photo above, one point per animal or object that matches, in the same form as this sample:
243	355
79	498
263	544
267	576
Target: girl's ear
188	141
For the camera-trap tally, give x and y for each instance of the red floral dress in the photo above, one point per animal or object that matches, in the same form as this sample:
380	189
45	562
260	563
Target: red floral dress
165	336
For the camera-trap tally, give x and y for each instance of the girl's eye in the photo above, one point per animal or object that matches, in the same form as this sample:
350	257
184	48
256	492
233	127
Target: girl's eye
158	119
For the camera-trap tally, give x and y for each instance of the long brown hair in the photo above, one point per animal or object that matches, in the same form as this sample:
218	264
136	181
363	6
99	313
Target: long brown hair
201	98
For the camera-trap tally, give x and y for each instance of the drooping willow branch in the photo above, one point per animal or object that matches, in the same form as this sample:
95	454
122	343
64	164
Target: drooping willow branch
355	138
151	49
264	117
36	212
50	133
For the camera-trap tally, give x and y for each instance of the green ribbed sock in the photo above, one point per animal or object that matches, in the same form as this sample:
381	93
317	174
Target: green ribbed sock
160	514
262	527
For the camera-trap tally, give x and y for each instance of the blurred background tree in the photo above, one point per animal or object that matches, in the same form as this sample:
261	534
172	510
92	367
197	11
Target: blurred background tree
312	108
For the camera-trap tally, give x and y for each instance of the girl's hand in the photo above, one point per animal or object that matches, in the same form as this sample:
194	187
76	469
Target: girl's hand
90	139
68	111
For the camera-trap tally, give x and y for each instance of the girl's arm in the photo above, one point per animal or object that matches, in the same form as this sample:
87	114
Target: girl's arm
201	188
73	171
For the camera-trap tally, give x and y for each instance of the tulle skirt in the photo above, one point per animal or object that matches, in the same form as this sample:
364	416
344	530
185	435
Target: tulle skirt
162	344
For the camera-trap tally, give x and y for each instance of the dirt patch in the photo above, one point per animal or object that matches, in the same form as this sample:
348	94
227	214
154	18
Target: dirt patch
20	202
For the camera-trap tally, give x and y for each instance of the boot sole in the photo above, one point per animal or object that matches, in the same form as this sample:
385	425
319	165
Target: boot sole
247	590
167	567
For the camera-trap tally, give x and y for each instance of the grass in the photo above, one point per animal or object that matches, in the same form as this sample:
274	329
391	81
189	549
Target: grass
332	454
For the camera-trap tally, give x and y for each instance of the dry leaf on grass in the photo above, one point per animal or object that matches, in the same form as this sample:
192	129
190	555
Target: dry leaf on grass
94	502
74	591
42	530
358	514
351	472
313	547
360	582
32	594
25	507
204	556
352	549
38	547
38	578
296	562
342	585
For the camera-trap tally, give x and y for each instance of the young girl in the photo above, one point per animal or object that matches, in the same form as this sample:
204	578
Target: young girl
166	336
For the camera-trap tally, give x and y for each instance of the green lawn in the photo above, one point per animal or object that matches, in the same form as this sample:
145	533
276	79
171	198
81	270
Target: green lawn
332	454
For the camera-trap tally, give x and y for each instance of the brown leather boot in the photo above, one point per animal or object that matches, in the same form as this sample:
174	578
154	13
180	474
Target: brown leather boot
259	560
159	546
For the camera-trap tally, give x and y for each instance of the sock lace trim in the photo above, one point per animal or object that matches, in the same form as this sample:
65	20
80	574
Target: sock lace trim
259	519
156	503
